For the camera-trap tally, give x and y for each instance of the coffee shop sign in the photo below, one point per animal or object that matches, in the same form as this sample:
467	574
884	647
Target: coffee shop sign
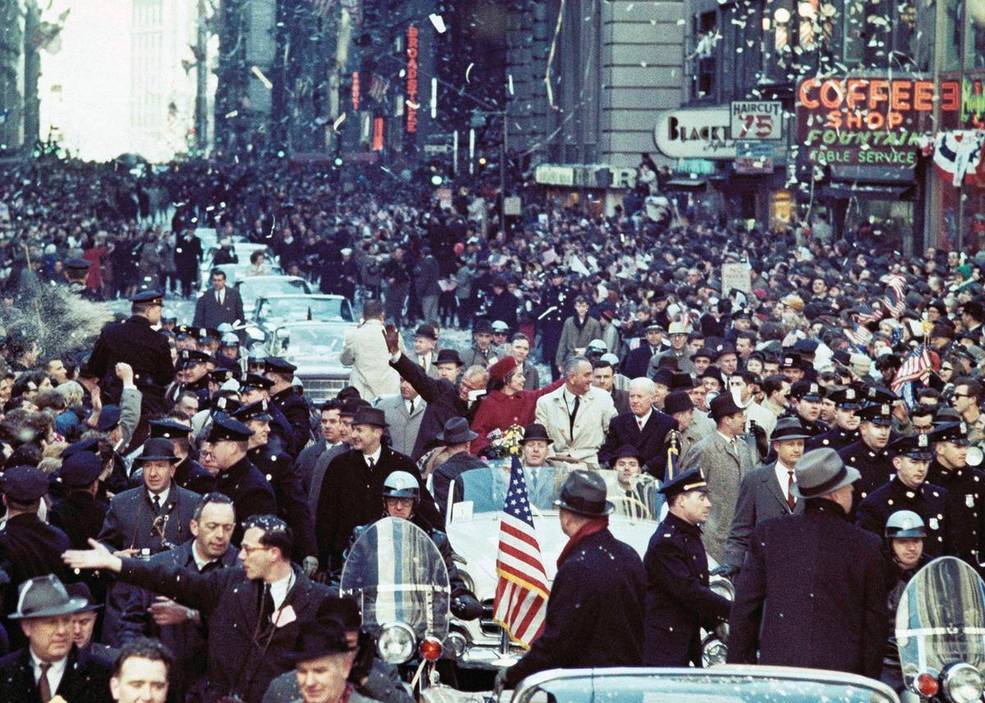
695	134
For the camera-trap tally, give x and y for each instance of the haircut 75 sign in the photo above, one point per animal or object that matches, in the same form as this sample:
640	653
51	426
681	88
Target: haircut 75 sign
754	120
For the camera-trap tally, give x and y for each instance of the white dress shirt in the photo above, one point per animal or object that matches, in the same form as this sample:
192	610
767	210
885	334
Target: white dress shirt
375	456
642	420
280	589
55	672
163	494
783	476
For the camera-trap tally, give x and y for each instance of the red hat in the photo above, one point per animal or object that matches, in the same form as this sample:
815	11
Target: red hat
502	368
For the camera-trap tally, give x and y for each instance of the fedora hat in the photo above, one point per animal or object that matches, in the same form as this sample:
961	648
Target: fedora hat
724	405
448	356
536	431
821	471
456	431
157	449
369	416
45	597
584	493
788	428
81	590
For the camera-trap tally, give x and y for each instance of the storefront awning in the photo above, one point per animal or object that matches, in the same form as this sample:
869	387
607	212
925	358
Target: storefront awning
686	184
865	191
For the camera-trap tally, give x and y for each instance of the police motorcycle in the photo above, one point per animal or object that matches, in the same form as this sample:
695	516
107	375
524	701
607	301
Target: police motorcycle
940	633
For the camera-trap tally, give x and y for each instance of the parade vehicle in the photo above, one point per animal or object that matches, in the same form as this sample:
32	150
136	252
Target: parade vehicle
940	633
243	249
274	310
473	510
397	575
251	288
316	349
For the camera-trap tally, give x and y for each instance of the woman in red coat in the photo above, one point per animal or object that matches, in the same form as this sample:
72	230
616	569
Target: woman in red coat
506	403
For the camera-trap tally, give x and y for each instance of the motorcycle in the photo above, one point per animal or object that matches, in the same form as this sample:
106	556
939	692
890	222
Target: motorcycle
397	575
940	633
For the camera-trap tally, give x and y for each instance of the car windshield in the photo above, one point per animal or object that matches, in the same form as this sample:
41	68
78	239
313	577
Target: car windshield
321	309
701	688
251	289
313	342
486	489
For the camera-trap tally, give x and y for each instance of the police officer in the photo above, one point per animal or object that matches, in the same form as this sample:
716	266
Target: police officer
135	342
401	494
909	490
845	430
193	376
965	485
905	535
595	610
76	272
868	454
678	599
807	396
285	397
556	305
279	470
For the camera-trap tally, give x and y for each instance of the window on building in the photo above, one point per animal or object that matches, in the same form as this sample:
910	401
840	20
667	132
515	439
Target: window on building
954	28
975	36
853	30
703	54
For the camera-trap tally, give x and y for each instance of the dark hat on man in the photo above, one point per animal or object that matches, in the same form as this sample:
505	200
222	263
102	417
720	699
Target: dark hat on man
370	416
148	297
806	390
448	356
703	353
226	404
805	346
45	597
228	429
191	357
279	365
626	451
427	331
665	377
456	431
678	402
109	417
681	381
24	484
877	414
157	449
690	480
77	263
879	394
255	380
482	327
220	375
328	637
259	410
821	471
534	431
791	361
80	470
788	428
846	398
915	446
89	444
351	406
584	493
169	428
955	433
80	589
724	405
725	350
207	333
183	331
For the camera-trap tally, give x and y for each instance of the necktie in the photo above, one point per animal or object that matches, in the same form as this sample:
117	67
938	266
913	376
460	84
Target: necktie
43	686
220	295
791	499
410	407
370	461
157	503
639	421
572	416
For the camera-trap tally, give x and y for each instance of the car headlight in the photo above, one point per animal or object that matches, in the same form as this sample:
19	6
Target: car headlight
395	643
963	683
713	651
456	643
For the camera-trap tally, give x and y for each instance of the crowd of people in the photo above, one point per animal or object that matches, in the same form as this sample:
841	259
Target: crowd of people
177	510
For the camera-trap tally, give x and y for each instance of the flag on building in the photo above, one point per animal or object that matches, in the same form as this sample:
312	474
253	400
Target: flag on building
521	593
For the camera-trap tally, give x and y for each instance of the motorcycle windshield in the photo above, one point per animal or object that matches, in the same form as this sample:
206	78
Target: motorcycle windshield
397	574
941	618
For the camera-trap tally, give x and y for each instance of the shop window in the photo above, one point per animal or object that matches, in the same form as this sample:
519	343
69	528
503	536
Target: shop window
703	55
954	28
975	37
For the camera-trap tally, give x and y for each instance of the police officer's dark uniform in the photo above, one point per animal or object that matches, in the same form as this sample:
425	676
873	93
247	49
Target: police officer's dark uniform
250	492
595	610
965	486
556	305
838	437
279	471
929	501
76	271
678	599
280	427
292	405
200	386
874	464
188	473
807	390
134	342
77	511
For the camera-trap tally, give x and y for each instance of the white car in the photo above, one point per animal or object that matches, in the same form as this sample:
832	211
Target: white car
315	348
252	288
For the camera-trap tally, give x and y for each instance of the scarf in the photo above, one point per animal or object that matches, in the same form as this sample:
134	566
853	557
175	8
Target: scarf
586	531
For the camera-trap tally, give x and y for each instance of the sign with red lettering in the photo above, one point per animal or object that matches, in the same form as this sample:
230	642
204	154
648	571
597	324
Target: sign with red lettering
411	101
754	120
857	120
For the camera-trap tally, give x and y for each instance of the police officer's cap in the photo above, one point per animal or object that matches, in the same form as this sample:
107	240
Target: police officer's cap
877	414
220	376
24	484
258	410
279	365
914	446
228	429
227	404
583	493
878	394
191	357
806	390
903	524
77	263
690	480
89	444
255	380
80	470
169	428
351	406
182	331
401	484
207	333
148	297
109	417
846	398
229	339
626	451
955	433
791	361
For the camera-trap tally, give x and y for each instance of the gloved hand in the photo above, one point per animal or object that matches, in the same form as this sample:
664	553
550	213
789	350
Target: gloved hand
727	570
466	607
310	566
762	441
499	684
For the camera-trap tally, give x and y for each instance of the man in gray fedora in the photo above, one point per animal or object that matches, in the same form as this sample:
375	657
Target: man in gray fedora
51	665
812	592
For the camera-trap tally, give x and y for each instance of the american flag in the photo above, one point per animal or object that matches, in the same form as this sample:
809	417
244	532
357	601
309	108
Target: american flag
917	363
521	594
895	297
869	313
